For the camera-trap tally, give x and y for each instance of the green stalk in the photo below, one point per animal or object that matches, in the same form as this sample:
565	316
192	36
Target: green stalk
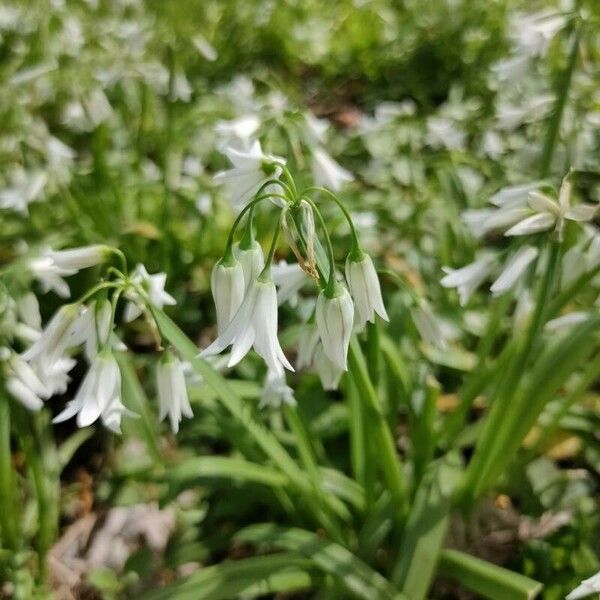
561	101
8	509
379	432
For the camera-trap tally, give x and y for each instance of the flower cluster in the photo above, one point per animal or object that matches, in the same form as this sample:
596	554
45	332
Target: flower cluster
42	369
247	288
519	211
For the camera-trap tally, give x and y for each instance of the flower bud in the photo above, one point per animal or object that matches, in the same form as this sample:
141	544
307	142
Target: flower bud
227	284
366	291
335	316
79	258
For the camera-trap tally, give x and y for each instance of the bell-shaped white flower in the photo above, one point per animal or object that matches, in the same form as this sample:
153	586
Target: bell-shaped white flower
276	393
154	286
23	384
327	172
467	279
59	334
335	316
586	588
97	323
329	373
237	133
251	169
172	392
289	279
513	270
98	395
254	324
227	286
75	259
252	260
365	289
428	325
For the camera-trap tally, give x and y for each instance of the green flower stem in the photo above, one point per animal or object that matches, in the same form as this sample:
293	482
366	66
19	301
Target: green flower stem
249	207
265	274
491	442
330	285
8	514
479	375
561	100
356	252
248	237
379	432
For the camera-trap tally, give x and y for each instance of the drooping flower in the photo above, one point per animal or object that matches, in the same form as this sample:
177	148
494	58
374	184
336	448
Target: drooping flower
154	287
335	316
327	172
467	279
365	289
254	324
98	395
329	373
227	286
289	279
60	333
25	189
97	324
251	169
427	325
276	393
75	259
22	382
514	269
237	133
172	392
586	588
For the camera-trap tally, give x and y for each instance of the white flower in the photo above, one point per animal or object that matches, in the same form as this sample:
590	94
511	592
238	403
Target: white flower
317	128
25	189
74	259
327	172
523	311
50	276
511	69
254	324
335	316
444	133
24	385
205	48
513	270
552	214
365	289
533	33
276	392
237	132
61	333
288	279
172	392
565	321
96	322
251	169
56	376
154	286
307	346
252	261
329	373
98	395
514	195
467	279
586	588
427	325
227	286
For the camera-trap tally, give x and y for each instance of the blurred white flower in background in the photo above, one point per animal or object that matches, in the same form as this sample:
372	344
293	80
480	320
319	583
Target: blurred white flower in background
327	172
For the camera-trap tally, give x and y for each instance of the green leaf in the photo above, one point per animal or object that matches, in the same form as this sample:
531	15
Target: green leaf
202	467
352	573
67	449
426	528
135	400
487	579
250	577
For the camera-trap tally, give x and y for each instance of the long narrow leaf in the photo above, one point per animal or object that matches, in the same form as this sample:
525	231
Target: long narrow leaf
487	579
